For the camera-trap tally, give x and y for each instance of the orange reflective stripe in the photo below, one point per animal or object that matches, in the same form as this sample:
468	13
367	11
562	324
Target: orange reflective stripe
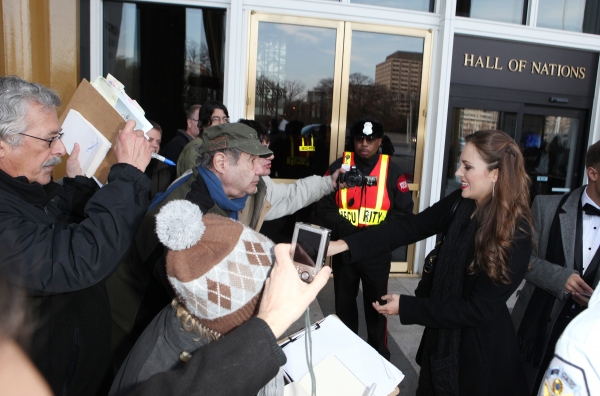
382	181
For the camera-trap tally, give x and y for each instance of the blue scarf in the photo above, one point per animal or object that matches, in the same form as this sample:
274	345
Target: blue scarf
215	189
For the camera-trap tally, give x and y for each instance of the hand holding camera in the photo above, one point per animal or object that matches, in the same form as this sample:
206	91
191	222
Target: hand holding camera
355	178
309	249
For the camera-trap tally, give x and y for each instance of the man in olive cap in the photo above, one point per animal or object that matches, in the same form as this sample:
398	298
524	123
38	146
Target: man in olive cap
228	174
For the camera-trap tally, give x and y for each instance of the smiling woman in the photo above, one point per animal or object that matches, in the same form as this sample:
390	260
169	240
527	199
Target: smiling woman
469	345
476	181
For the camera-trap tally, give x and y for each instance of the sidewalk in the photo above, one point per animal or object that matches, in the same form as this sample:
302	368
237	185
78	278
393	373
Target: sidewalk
403	340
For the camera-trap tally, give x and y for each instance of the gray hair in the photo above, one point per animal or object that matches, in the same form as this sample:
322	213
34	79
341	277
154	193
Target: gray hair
205	160
189	114
16	95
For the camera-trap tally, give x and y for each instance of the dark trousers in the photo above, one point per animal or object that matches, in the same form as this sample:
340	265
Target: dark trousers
570	310
374	275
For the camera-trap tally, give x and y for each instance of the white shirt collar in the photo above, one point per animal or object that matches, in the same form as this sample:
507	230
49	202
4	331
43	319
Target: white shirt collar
586	199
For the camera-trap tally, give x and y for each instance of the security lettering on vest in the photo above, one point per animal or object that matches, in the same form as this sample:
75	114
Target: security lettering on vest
375	203
364	217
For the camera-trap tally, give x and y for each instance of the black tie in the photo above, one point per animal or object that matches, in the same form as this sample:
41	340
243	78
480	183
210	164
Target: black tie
591	210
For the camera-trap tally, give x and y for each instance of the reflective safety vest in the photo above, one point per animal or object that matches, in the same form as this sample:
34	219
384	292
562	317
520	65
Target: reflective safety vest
369	203
300	151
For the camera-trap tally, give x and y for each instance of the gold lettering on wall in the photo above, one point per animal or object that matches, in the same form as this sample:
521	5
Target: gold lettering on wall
518	65
522	65
553	69
513	65
494	66
469	60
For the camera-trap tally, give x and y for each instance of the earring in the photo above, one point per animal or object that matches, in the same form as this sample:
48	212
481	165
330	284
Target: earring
493	185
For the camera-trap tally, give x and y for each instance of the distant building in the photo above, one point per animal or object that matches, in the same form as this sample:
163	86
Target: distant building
401	74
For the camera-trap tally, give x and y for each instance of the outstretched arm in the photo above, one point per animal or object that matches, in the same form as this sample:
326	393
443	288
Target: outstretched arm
286	199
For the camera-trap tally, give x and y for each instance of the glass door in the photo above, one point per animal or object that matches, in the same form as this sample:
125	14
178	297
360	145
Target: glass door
294	89
383	78
310	79
465	121
549	141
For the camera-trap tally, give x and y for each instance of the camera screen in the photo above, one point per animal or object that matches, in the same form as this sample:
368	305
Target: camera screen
307	247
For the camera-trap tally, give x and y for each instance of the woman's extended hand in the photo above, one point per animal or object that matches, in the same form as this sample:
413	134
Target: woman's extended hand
391	308
336	247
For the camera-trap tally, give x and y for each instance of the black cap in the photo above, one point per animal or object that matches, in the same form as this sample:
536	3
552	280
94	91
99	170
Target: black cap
367	127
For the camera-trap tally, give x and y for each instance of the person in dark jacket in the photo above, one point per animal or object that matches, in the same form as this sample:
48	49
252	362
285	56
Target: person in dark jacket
158	171
214	294
356	209
469	346
61	242
173	149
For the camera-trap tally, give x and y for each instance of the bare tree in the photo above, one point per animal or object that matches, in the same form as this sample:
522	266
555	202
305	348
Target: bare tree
294	96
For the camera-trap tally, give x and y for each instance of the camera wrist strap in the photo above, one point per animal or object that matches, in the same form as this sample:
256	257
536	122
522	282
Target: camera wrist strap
308	350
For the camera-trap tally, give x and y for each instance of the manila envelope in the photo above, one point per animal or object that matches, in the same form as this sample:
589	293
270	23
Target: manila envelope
102	115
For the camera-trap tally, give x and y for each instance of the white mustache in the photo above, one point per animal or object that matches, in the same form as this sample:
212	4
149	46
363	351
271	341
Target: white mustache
53	161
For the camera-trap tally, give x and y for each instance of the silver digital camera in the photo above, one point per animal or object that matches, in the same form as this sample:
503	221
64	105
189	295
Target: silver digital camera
309	249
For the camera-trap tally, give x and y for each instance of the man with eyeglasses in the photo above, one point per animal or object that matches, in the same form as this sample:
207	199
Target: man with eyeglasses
173	149
354	209
59	242
212	113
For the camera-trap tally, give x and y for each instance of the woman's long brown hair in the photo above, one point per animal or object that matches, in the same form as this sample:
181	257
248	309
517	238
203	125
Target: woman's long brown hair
501	214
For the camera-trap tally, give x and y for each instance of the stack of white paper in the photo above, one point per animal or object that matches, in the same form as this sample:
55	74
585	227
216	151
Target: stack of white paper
92	143
332	378
334	338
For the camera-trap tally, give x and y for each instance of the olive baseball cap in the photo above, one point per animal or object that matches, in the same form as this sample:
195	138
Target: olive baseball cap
234	135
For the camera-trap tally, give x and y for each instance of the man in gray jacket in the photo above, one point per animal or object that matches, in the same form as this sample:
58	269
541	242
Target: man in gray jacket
564	270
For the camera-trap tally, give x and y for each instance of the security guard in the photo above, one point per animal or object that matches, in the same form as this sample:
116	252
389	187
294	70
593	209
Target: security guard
354	209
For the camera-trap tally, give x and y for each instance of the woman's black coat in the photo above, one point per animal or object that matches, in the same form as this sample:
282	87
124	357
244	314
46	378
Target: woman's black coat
489	360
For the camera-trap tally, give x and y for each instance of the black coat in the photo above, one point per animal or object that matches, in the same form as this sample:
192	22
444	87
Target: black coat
241	363
489	360
60	243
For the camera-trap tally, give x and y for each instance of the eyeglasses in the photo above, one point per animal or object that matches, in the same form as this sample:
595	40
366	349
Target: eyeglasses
50	140
219	119
359	139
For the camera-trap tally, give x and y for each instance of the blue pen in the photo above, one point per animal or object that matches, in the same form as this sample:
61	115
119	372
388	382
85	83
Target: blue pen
160	157
163	159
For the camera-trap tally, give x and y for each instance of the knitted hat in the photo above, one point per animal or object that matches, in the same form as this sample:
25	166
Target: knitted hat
369	127
216	265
